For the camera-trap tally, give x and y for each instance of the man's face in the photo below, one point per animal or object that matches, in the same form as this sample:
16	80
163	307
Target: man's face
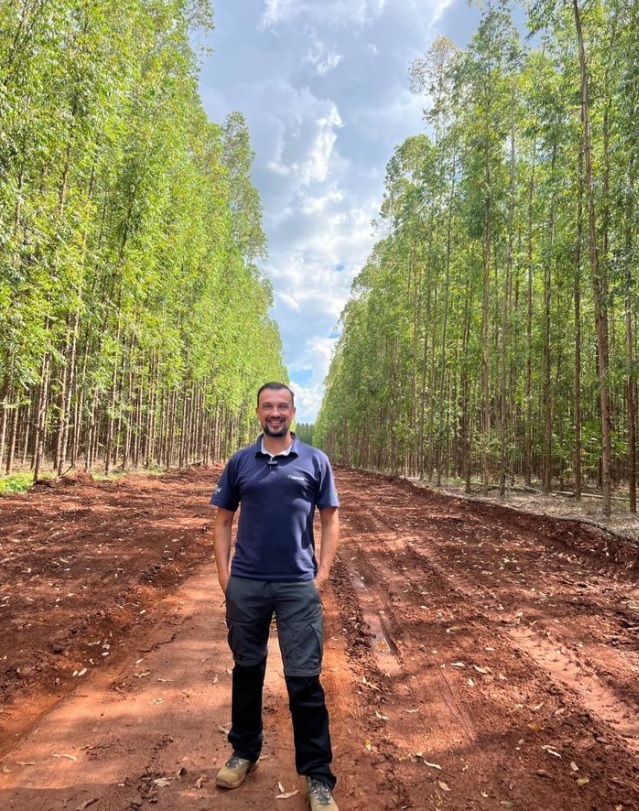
275	412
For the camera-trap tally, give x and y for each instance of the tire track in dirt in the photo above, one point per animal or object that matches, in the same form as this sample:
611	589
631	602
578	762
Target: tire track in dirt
558	651
382	614
557	656
551	644
478	600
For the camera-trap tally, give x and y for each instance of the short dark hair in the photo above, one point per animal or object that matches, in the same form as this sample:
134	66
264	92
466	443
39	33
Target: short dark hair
275	386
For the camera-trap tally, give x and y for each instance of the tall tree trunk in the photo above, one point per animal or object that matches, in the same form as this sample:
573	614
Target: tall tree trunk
171	428
447	261
424	399
26	425
599	280
150	432
41	416
578	409
13	438
5	400
78	433
630	342
465	417
139	443
216	450
485	329
505	315
66	395
547	406
92	431
528	426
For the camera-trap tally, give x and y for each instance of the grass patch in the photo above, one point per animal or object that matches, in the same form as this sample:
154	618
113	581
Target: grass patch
23	481
16	483
118	473
108	477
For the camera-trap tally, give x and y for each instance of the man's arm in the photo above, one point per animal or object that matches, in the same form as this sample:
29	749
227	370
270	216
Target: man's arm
330	538
222	545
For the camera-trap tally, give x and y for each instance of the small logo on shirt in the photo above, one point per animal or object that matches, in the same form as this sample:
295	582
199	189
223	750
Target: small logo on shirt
296	478
218	489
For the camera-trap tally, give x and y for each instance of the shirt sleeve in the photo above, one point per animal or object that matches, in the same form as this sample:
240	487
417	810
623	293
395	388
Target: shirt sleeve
327	495
226	493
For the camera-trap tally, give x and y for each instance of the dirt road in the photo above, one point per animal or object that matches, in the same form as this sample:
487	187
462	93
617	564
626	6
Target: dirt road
476	657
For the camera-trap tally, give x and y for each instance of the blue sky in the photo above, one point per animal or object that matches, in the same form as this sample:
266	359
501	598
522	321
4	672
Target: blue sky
323	85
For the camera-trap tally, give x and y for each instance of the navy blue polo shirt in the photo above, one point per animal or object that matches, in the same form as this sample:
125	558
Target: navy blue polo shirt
275	529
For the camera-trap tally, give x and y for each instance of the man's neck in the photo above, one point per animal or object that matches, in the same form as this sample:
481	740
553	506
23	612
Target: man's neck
276	444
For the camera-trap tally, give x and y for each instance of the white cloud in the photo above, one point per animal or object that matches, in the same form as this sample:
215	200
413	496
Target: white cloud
308	400
329	61
316	167
316	358
323	85
316	204
329	13
275	11
305	148
289	301
404	104
314	364
321	56
311	284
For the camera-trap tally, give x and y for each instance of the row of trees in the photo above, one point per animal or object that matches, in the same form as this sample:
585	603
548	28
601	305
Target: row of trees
492	333
304	431
133	319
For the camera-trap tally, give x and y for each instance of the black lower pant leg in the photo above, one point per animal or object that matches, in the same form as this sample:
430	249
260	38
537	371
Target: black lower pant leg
313	754
246	710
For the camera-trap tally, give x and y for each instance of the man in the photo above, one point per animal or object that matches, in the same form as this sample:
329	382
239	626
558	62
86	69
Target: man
278	482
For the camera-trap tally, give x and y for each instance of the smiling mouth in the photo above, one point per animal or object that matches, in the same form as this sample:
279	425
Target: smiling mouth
275	426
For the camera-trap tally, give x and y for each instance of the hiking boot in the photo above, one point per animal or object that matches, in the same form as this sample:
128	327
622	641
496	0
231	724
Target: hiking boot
234	772
319	795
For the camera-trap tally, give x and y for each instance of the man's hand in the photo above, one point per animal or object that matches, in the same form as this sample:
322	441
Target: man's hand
223	580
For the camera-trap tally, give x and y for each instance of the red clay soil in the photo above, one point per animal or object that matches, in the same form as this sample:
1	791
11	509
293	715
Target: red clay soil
476	657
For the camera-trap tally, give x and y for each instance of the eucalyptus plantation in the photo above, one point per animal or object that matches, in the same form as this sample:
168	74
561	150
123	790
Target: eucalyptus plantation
491	335
130	307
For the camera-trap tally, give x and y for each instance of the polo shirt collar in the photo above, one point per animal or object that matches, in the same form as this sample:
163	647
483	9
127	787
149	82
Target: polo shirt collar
261	450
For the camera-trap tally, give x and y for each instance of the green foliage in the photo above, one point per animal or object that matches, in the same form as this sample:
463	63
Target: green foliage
304	431
15	483
468	347
129	300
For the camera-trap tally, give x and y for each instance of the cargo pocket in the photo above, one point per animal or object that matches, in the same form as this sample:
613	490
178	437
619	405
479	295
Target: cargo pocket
301	644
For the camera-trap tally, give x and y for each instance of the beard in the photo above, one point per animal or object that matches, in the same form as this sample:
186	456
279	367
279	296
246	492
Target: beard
282	430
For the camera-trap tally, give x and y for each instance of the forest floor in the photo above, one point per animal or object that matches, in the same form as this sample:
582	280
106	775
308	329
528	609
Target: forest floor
477	656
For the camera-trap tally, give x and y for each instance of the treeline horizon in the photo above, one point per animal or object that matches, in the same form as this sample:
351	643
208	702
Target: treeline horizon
492	333
304	431
135	325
